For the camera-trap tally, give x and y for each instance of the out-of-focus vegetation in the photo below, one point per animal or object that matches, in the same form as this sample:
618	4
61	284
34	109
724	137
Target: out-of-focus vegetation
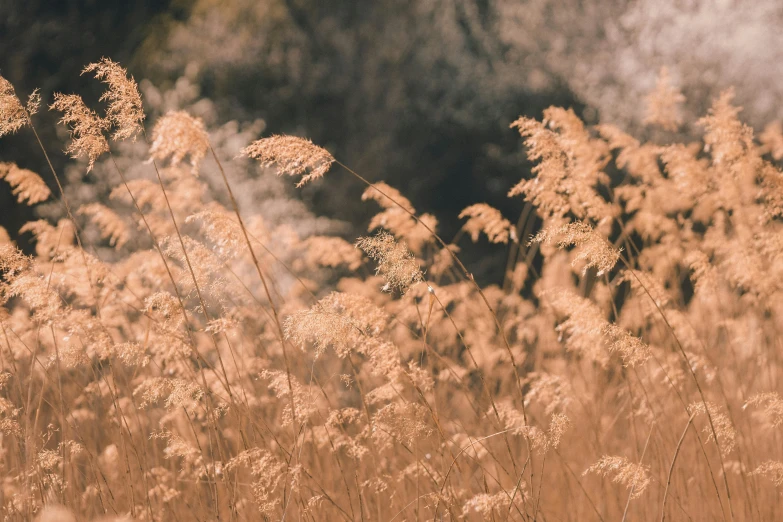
416	93
176	350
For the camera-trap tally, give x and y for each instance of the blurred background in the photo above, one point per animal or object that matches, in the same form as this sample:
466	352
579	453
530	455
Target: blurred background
417	93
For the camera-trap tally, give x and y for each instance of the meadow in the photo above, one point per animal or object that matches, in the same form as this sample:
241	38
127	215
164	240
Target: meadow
169	355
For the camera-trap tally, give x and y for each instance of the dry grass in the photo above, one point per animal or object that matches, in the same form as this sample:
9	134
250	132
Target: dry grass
627	368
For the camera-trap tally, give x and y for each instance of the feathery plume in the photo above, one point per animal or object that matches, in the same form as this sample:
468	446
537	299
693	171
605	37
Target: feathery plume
587	331
511	418
403	422
221	228
50	239
12	114
131	354
569	168
176	447
165	309
772	405
145	191
771	469
86	127
492	506
726	137
293	156
641	161
632	350
772	190
690	173
443	260
397	216
403	226
282	386
27	185
587	155
33	103
268	473
541	441
703	274
175	393
111	225
387	196
10	427
395	262
341	321
125	110
178	134
727	435
647	286
548	390
663	104
771	139
558	425
37	293
206	266
12	260
545	190
331	252
583	330
623	471
593	249
487	219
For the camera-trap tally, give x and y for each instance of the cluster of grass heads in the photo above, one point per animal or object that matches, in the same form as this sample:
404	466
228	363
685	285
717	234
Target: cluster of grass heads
221	367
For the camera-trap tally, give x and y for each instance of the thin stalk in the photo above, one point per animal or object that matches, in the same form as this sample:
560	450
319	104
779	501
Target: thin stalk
671	468
183	310
540	485
695	380
633	486
263	281
465	271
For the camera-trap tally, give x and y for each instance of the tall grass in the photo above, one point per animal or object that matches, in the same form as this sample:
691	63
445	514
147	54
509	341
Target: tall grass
219	367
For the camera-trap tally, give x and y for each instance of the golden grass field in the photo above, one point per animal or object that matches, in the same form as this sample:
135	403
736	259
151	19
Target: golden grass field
168	355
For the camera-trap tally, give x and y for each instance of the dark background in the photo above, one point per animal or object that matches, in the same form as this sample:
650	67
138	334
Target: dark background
427	111
45	44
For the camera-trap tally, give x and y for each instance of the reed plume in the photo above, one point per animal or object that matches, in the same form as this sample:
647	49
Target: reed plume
86	127
292	156
28	187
